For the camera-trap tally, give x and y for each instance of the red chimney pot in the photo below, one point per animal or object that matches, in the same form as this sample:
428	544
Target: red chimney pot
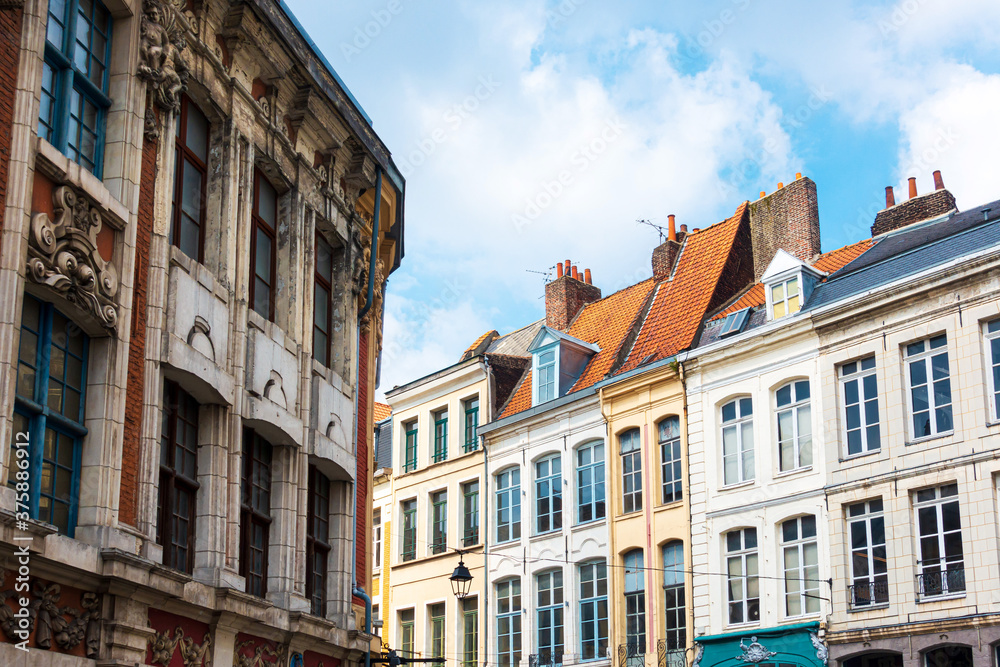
671	230
566	270
890	197
559	270
684	228
575	274
913	187
938	181
586	276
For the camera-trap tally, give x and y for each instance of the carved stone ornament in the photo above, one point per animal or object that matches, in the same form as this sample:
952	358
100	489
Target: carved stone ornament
195	655
699	652
260	658
160	63
822	653
755	652
163	645
63	255
49	621
151	126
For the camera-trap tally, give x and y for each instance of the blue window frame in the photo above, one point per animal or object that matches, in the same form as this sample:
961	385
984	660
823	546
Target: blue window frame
675	614
508	623
590	482
548	494
593	610
635	604
549	613
49	408
74	97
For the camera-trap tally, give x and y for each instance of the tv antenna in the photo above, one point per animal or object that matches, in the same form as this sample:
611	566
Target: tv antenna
659	229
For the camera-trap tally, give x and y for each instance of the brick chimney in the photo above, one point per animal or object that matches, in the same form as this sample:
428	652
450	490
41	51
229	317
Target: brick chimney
665	254
787	219
916	208
566	296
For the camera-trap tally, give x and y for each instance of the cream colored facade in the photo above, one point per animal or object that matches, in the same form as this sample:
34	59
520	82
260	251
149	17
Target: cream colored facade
421	582
381	528
642	402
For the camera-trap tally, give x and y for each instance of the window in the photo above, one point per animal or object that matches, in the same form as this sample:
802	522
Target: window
74	96
317	540
741	575
734	323
471	425
377	534
794	426
441	436
546	369
49	408
929	381
785	298
590	482
993	356
470	522
262	251
509	623
409	550
673	591
406	632
187	217
635	603
439	522
860	387
737	441
255	512
322	300
470	632
631	471
941	570
508	497
800	556
869	566
548	495
410	455
950	656
670	459
593	610
178	478
437	630
549	613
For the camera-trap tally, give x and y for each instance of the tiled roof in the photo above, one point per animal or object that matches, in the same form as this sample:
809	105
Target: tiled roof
605	323
471	350
680	303
382	412
753	296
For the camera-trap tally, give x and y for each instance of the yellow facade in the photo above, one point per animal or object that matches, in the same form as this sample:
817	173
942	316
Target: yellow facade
643	402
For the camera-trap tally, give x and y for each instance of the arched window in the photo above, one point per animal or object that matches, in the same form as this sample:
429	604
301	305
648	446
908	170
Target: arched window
549	617
737	441
631	471
669	431
949	656
508	497
548	494
635	603
800	556
508	595
673	590
794	425
590	482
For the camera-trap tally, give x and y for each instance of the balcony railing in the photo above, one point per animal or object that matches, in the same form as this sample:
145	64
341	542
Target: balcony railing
933	583
545	659
631	654
667	657
868	594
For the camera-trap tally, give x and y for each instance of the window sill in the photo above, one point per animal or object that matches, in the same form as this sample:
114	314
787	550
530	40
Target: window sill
434	464
850	458
741	626
738	485
60	168
882	606
546	534
791	473
941	598
673	504
930	438
586	524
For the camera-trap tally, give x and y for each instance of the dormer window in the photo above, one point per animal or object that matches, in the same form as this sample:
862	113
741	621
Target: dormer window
785	298
546	376
557	361
788	282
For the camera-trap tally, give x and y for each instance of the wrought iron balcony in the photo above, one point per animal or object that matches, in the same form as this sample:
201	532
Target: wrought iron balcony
632	654
669	657
545	659
934	582
868	594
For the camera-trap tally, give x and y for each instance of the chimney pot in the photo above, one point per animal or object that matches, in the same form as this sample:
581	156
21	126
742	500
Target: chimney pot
559	270
798	175
566	270
938	181
913	187
780	185
762	194
586	276
671	230
684	229
890	197
575	274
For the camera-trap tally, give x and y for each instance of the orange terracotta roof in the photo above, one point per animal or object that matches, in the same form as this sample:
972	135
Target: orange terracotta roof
827	263
520	399
469	350
382	411
681	303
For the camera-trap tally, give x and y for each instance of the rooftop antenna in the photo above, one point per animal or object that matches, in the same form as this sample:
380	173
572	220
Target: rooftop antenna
548	276
659	229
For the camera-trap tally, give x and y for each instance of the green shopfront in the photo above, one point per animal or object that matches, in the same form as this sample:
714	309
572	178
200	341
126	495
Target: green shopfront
785	646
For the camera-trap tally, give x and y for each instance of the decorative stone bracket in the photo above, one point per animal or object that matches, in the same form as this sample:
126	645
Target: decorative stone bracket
160	63
63	256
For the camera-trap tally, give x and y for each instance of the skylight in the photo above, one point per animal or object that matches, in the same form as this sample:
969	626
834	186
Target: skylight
734	322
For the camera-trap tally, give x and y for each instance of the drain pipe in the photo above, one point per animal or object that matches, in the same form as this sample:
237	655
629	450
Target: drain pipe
360	592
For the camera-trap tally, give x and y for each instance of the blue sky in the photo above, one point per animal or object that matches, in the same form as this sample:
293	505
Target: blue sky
535	131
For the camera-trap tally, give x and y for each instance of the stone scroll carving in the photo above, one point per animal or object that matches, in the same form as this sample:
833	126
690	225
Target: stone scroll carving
160	63
63	255
163	645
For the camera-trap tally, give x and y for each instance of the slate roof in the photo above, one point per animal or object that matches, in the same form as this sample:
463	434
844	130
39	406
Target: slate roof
515	344
383	444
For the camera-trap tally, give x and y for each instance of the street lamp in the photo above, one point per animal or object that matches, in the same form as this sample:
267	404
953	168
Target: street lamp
461	579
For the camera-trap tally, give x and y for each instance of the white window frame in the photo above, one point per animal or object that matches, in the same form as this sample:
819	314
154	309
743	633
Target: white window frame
554	494
538	395
555	610
671	467
925	357
803	576
936	498
876	581
785	298
377	534
802	449
991	335
634	456
594	468
742	450
513	493
743	555
513	616
595	601
859	376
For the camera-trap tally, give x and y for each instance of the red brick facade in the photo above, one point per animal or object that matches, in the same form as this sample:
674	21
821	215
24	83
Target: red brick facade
787	219
10	48
137	345
363	472
565	297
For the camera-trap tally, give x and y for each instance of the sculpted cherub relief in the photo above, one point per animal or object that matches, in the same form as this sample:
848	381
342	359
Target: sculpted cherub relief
160	61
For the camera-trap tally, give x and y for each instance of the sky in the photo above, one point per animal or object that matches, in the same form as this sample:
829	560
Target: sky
531	131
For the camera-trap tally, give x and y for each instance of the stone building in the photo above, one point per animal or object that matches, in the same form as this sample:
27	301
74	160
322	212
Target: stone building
198	222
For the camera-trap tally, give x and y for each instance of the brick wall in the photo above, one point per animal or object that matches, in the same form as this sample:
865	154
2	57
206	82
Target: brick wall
507	372
914	210
363	472
564	298
787	219
663	259
10	49
137	344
